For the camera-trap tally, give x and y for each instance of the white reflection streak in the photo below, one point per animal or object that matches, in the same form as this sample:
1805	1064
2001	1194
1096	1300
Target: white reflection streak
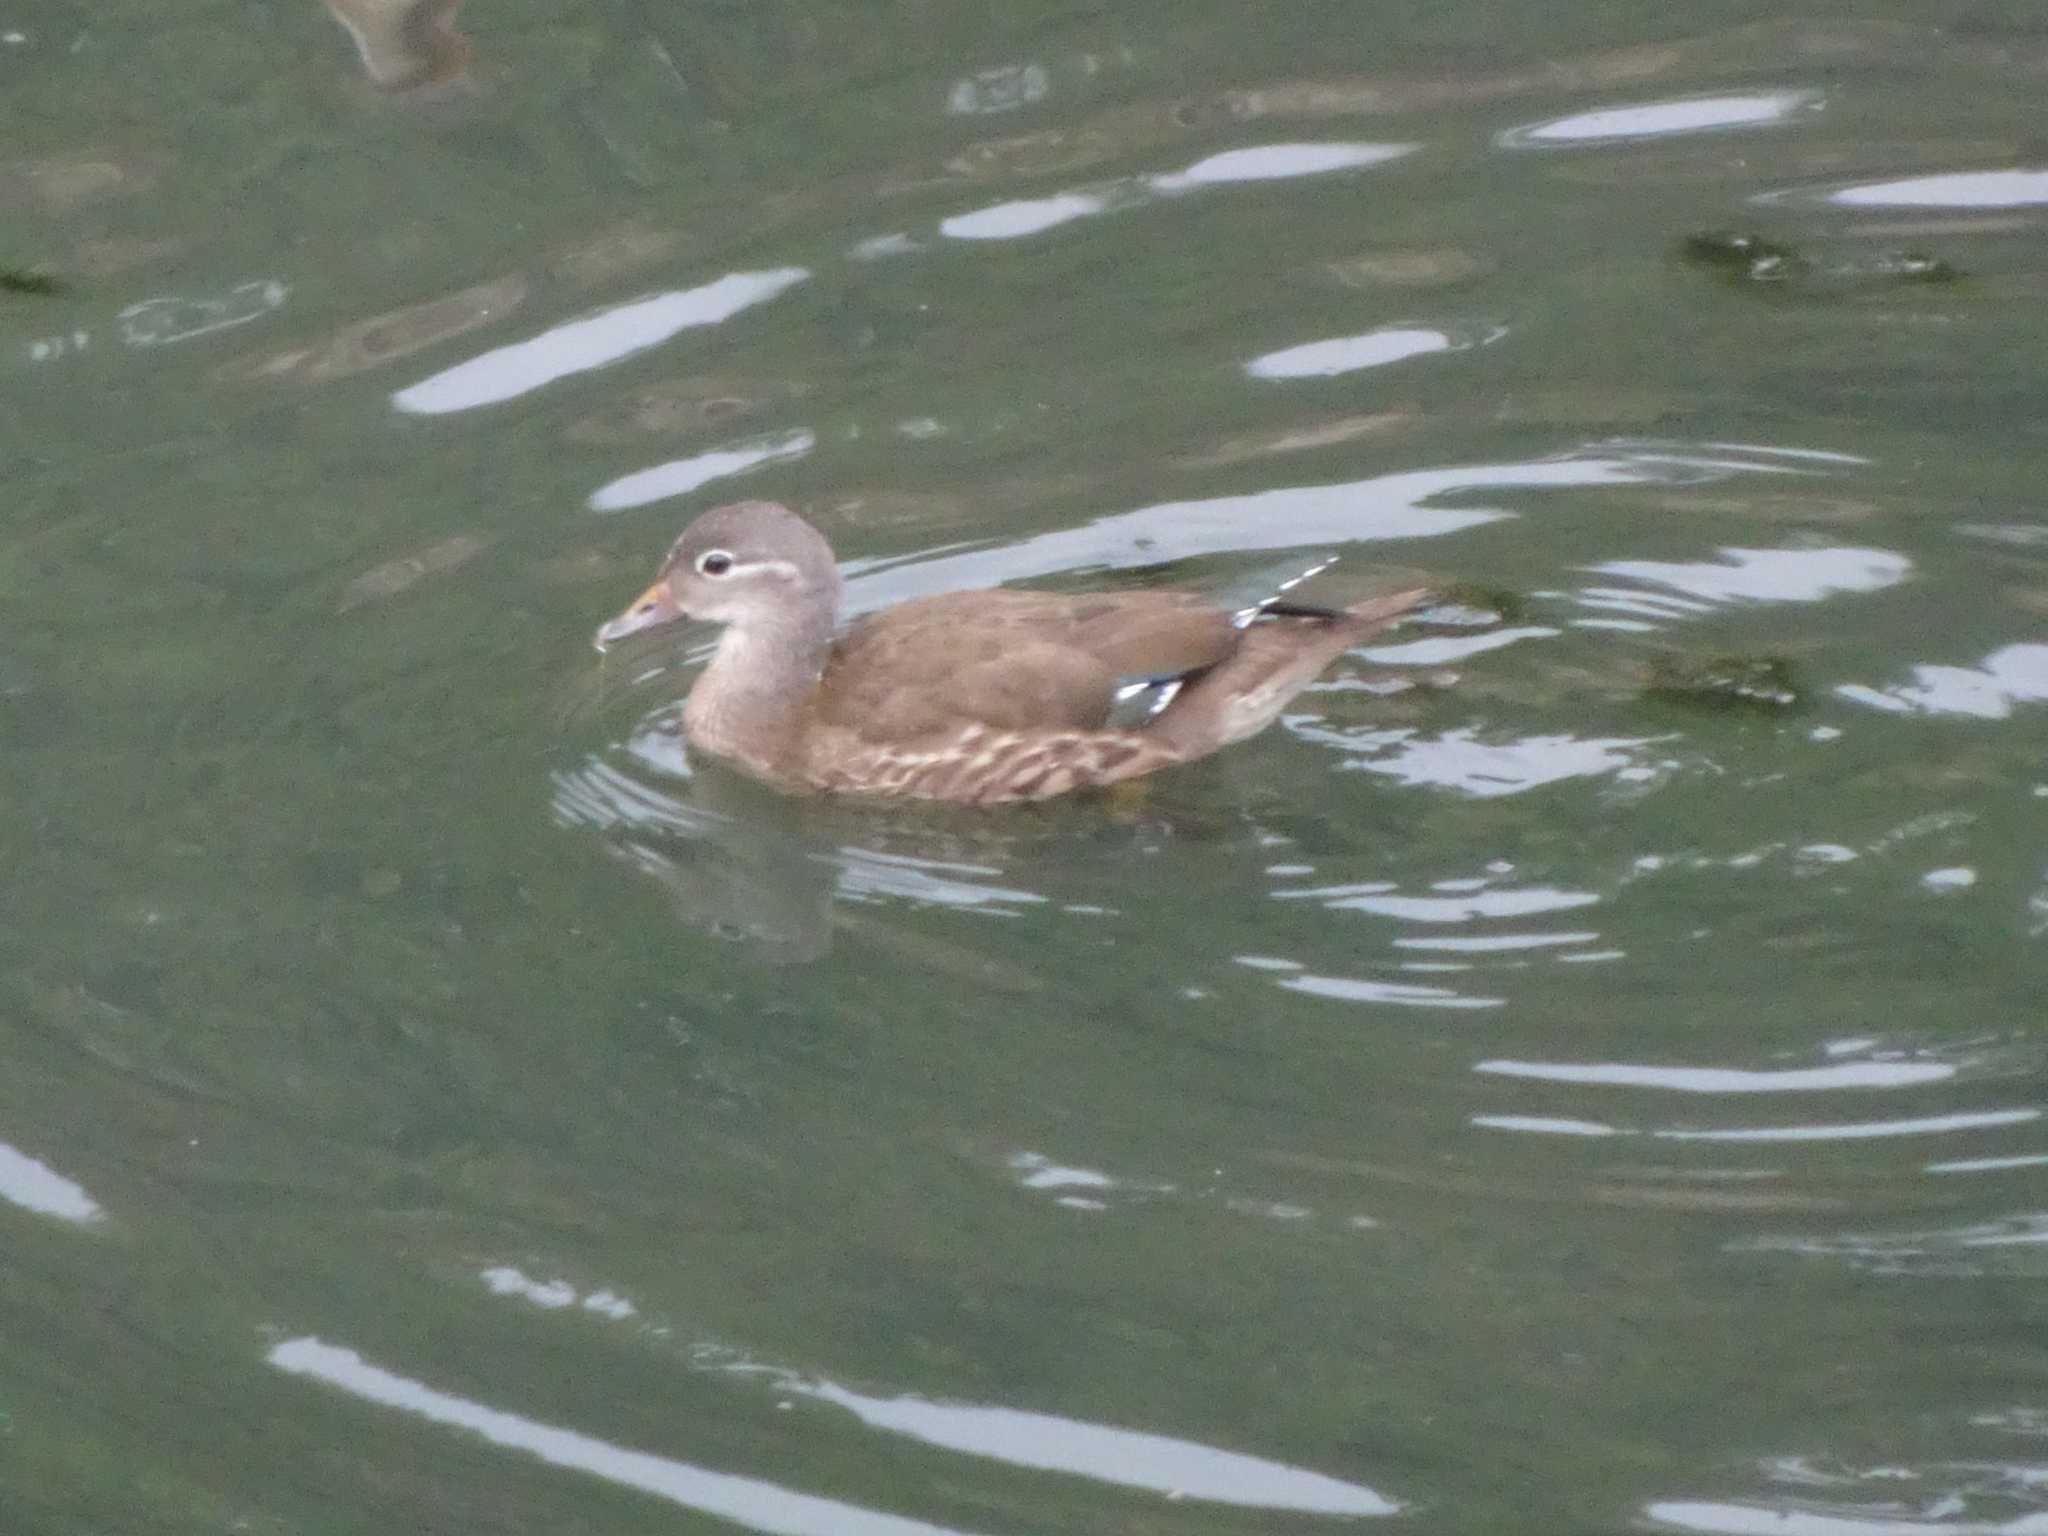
1444	649
746	1501
864	873
1818	455
2014	674
1277	162
36	1186
553	1295
599	795
1620	626
1651	605
1969	189
1036	1171
1355	989
1777	1520
1267	162
1457	760
1710	458
1858	1074
1989	1164
1294	517
1447	909
1547	1125
1347	354
1498	942
594	341
1863	1131
1127	1458
1772	575
679	476
2032	1237
1044	1442
1008	221
1924	1252
1662	119
549	1295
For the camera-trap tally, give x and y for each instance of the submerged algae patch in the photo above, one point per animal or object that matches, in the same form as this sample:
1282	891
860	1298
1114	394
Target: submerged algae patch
1751	258
28	283
1724	682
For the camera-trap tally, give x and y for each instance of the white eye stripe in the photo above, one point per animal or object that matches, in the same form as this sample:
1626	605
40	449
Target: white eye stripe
723	562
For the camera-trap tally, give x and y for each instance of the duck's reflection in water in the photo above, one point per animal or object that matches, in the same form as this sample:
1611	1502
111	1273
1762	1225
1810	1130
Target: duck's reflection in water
778	877
405	43
714	842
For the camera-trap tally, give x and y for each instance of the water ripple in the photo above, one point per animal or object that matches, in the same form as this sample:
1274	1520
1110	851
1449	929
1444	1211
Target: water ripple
751	1502
680	476
1259	163
1770	575
594	341
1374	349
1521	901
1857	1074
1953	189
1277	162
36	1186
1181	1469
2015	1245
1361	989
1458	760
2014	674
1401	505
1867	1130
1663	119
865	874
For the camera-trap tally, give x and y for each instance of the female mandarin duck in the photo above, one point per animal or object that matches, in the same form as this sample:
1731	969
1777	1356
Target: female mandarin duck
979	698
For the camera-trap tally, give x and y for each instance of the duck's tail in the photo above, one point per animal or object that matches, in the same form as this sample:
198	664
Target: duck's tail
1282	652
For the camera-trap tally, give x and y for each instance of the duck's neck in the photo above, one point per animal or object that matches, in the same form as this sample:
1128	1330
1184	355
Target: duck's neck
750	702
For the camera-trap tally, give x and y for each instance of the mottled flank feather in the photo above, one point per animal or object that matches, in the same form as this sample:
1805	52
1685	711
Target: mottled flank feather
983	767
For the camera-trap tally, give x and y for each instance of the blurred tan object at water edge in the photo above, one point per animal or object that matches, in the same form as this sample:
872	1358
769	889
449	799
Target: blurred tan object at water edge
405	43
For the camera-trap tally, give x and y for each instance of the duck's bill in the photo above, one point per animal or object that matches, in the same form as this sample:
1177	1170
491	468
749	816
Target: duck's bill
649	610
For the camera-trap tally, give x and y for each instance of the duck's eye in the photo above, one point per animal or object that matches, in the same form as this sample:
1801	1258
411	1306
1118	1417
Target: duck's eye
714	562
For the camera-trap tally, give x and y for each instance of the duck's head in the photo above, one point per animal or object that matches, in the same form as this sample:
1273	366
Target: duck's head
753	564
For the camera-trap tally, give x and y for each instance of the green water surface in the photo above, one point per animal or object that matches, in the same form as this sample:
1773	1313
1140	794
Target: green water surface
1506	1096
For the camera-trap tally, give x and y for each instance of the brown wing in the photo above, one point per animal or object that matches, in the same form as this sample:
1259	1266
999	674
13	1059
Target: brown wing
1012	660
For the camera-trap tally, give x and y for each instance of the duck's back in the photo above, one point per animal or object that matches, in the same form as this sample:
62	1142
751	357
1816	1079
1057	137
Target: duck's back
1012	660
